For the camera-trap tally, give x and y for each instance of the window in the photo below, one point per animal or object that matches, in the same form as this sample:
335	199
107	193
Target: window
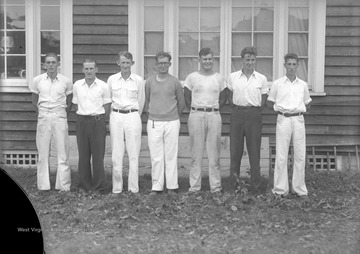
30	29
274	27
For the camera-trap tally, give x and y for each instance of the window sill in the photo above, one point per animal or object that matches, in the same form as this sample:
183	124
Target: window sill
14	86
317	94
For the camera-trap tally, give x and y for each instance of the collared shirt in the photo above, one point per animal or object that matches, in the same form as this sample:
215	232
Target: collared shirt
289	97
127	94
247	92
52	94
205	90
91	99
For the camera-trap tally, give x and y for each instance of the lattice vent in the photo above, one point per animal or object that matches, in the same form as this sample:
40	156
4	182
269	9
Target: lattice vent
19	158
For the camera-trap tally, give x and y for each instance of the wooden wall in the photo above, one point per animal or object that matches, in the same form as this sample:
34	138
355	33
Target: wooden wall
100	31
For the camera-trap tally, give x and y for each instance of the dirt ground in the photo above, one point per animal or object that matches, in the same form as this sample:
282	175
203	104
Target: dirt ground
83	222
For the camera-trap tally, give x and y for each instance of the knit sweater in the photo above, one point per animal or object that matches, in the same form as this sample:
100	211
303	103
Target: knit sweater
164	100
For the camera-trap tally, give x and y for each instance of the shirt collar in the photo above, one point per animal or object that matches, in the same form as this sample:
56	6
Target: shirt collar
253	74
94	83
47	76
296	79
130	77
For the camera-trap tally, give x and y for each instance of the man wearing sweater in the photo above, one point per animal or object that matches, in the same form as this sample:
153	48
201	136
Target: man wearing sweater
164	102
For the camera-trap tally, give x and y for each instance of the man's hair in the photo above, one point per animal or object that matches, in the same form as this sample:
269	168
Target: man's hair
248	50
205	52
125	54
90	60
162	54
291	56
51	54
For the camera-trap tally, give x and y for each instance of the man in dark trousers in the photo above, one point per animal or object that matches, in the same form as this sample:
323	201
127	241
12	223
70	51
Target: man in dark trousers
247	96
92	100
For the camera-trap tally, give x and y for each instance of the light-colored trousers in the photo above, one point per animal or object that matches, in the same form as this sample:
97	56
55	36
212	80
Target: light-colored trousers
125	133
288	128
163	141
53	124
205	131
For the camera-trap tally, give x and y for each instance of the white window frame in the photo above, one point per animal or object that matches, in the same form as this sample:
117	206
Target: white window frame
33	47
316	46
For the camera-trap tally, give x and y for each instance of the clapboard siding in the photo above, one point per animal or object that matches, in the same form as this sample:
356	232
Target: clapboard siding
335	118
100	31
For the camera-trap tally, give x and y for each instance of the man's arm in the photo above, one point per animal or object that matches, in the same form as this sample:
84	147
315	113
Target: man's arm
141	96
223	97
308	106
187	96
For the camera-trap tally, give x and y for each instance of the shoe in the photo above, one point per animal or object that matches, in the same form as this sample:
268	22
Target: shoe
154	193
304	198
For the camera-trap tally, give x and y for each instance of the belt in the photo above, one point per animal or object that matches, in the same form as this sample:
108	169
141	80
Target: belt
124	111
290	114
92	117
205	109
245	107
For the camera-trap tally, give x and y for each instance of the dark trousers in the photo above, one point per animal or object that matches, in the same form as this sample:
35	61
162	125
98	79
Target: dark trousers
245	122
90	136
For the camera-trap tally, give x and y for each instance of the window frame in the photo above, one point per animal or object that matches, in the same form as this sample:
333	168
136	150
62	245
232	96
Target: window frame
316	41
33	45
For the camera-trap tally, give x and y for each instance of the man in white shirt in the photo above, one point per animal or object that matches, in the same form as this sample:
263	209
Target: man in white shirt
289	97
91	97
205	94
247	96
51	95
128	97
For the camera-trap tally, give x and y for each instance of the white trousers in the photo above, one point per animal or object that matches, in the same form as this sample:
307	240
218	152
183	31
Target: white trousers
205	131
287	129
53	125
163	140
125	131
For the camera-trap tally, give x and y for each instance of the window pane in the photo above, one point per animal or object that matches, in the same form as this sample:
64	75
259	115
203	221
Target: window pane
2	14
236	64
263	19
210	2
263	44
264	2
16	67
242	3
302	72
211	40
15	42
50	18
210	19
15	1
188	43
154	18
188	20
154	42
298	2
298	19
15	17
187	65
50	42
241	19
50	2
239	41
189	3
150	66
264	66
298	44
